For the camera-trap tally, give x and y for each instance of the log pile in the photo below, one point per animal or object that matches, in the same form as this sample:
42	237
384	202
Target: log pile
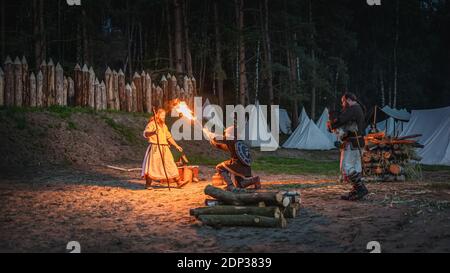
385	158
256	208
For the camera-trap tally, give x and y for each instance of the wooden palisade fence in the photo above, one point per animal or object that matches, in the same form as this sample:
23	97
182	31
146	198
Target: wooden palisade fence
51	85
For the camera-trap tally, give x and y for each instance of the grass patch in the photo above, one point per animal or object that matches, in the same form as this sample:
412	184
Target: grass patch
71	125
16	114
123	130
280	165
435	168
203	160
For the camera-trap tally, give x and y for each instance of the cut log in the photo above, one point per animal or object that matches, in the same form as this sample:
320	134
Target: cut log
269	198
395	169
242	220
237	210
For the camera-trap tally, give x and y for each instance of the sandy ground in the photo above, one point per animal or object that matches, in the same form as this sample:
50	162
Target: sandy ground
41	210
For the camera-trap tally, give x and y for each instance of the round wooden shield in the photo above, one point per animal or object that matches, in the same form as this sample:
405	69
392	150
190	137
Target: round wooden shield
243	153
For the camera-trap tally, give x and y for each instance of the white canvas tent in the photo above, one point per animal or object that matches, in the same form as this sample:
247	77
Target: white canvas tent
307	136
322	124
434	125
285	122
389	126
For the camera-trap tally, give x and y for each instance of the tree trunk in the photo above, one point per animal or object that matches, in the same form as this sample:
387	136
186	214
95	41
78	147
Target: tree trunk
267	50
313	71
219	72
242	220
38	32
187	48
394	104
3	28
383	102
169	33
178	37
85	37
243	93
273	212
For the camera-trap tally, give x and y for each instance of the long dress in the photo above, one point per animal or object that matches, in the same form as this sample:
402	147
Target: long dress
152	166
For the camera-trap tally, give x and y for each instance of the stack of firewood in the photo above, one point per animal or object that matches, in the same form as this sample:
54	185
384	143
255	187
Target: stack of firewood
386	158
257	208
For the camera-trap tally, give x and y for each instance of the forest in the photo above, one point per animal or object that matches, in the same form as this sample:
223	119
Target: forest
296	53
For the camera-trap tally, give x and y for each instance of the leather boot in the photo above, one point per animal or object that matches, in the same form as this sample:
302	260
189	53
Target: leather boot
148	183
247	182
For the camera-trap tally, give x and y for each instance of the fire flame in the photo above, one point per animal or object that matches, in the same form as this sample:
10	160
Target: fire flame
183	109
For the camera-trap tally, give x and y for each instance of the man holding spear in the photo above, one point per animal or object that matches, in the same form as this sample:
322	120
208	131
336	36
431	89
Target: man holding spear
159	164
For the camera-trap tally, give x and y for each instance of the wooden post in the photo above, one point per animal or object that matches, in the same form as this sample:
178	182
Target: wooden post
9	82
116	90
97	96
71	92
25	83
78	85
148	94
2	87
59	85
154	103
159	96
138	85
178	92
194	86
45	95
18	84
102	88
51	99
173	92
122	93
191	93
170	86
32	90
91	88
65	91
39	89
109	88
85	89
144	91
129	98
165	92
133	98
